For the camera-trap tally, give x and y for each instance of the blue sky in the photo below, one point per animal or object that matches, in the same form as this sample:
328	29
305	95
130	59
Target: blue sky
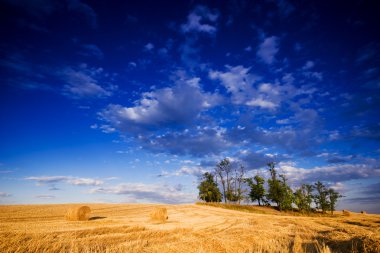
131	101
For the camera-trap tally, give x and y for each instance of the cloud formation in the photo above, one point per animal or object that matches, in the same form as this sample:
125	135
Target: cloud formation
4	195
367	168
201	19
268	49
152	193
175	105
83	83
66	179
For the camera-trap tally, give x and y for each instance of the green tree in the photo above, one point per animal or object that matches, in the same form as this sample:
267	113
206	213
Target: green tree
279	191
303	197
208	189
321	198
274	186
257	189
286	194
333	197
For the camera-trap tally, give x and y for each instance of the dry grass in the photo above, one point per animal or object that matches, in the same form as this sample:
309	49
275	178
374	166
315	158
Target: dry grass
81	213
159	215
191	228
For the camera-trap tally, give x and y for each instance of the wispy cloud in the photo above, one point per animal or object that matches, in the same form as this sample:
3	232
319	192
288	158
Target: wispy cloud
65	179
183	171
268	49
5	195
91	50
149	47
153	193
45	196
83	83
333	173
201	19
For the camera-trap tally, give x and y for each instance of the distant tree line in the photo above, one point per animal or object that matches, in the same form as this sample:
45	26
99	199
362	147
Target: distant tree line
230	185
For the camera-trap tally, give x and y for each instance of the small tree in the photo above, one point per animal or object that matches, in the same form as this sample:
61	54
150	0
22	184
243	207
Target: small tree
274	186
208	189
236	191
223	170
286	195
333	197
257	189
303	197
321	198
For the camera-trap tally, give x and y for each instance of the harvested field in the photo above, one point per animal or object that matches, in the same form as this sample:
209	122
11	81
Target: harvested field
190	228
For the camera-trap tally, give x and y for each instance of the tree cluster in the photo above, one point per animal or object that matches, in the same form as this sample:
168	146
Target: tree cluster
235	187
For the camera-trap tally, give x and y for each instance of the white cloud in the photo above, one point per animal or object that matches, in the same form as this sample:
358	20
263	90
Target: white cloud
83	83
261	103
65	179
197	142
248	49
308	65
334	173
241	84
45	196
268	49
149	47
153	193
171	105
183	171
237	80
201	19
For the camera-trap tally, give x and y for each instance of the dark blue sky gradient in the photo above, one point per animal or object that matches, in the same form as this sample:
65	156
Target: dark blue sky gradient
130	101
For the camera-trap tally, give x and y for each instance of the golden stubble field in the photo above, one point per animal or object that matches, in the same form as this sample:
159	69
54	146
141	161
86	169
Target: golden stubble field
190	228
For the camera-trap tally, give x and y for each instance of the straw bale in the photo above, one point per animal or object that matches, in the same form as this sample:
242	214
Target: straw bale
81	213
159	214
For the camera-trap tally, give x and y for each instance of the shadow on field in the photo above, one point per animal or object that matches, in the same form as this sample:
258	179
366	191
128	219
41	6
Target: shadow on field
365	244
97	218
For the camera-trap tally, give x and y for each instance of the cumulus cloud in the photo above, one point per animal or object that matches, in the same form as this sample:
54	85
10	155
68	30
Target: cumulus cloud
201	19
237	81
245	88
65	179
176	105
152	193
83	83
268	49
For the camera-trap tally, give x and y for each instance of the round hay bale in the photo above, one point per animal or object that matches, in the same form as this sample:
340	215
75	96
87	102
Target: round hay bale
363	212
159	214
81	213
346	213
